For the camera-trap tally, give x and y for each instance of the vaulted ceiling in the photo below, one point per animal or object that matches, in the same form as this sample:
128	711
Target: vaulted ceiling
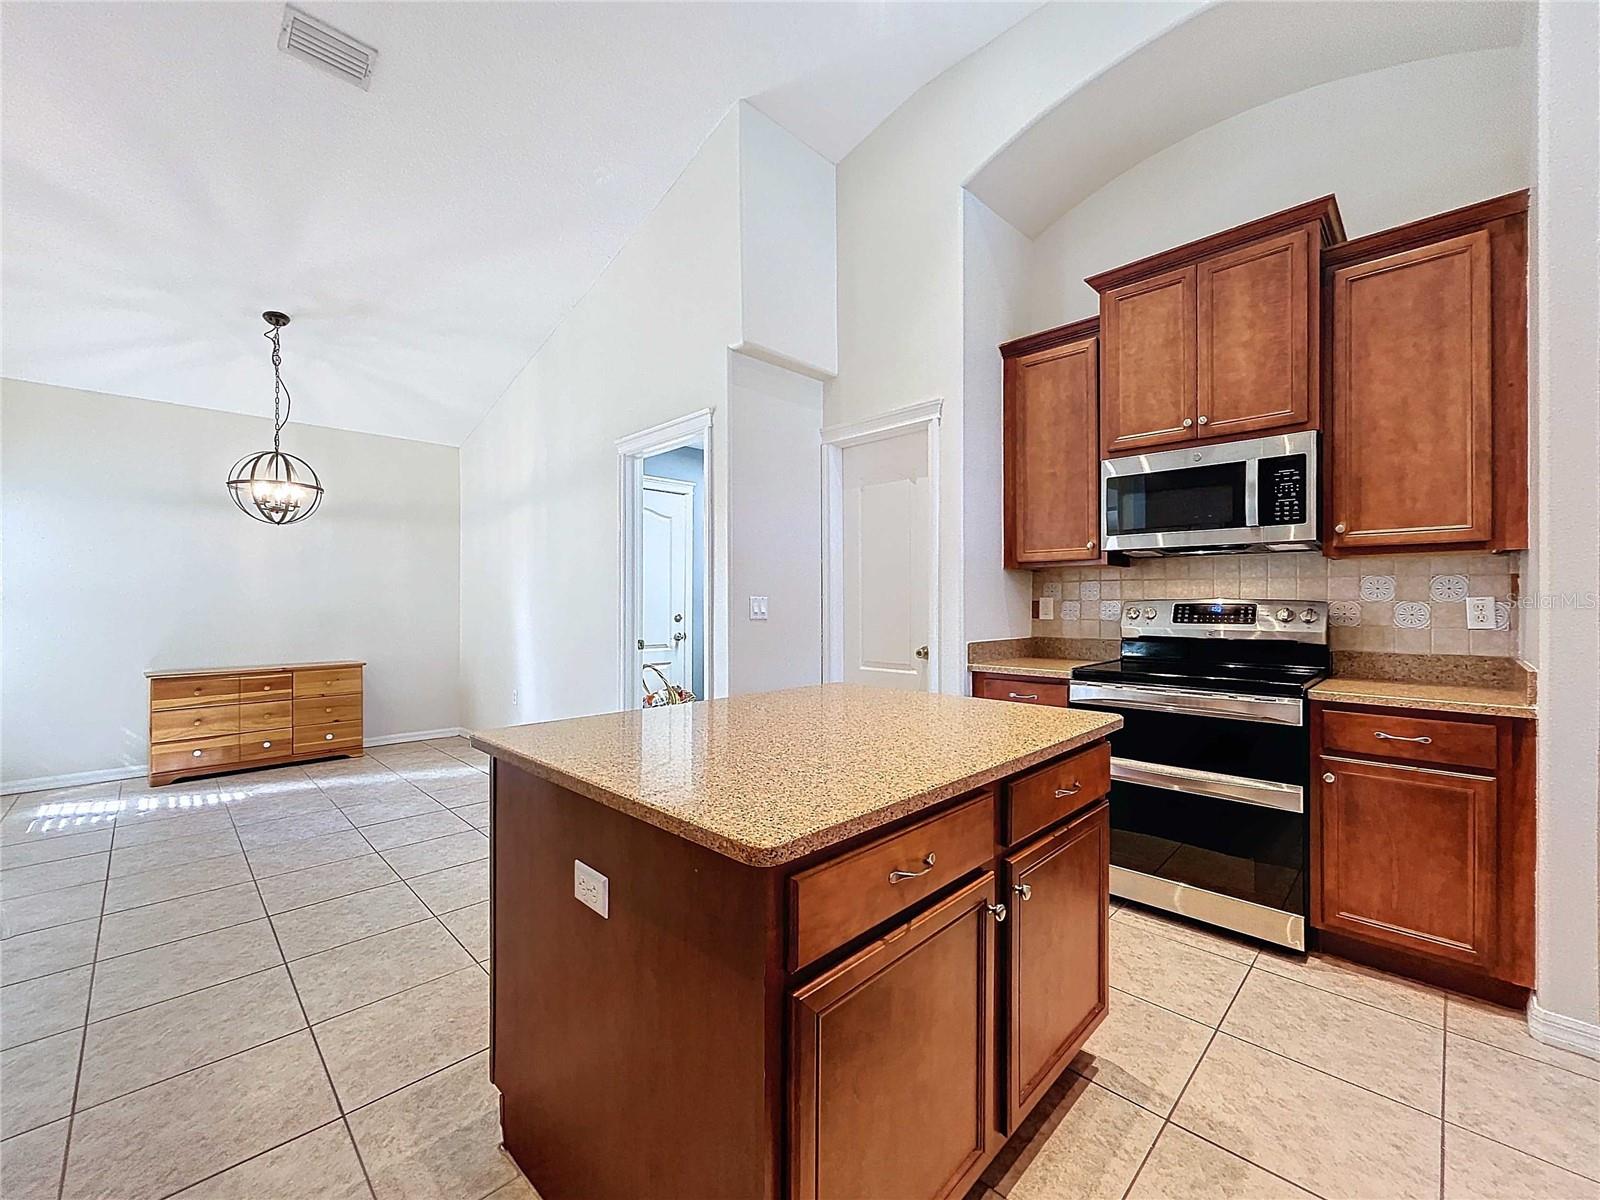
168	173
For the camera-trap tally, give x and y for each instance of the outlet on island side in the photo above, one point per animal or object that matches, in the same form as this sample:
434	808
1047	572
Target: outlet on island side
591	888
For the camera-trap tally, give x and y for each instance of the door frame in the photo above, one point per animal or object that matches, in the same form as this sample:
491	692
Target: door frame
835	439
690	429
679	487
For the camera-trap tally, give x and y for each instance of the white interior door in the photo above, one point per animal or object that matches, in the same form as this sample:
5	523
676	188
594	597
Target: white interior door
666	580
885	529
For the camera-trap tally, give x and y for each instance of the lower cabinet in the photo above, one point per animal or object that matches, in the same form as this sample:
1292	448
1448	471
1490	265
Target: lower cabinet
1056	938
892	1071
1020	689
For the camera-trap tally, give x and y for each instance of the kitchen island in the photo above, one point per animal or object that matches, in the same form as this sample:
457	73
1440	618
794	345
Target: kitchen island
760	947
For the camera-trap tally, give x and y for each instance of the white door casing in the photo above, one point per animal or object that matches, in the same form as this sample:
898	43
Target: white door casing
666	580
881	491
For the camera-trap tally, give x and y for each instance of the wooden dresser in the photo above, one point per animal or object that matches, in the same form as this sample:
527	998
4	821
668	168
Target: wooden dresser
229	718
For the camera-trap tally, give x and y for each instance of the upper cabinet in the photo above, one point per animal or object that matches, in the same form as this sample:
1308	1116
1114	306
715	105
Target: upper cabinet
1217	339
1052	447
1427	384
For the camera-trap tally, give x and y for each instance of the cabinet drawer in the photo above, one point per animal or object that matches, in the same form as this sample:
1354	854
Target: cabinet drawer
327	681
310	738
193	691
266	745
1024	691
832	903
269	714
189	724
1057	791
170	758
274	686
1410	739
328	710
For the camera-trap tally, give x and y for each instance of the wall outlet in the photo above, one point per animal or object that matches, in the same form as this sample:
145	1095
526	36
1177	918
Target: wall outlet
758	608
1044	608
1480	612
591	888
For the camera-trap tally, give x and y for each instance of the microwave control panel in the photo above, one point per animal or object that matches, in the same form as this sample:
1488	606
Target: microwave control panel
1281	499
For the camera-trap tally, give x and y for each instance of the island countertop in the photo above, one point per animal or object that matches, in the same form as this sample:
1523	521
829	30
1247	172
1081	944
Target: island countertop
768	778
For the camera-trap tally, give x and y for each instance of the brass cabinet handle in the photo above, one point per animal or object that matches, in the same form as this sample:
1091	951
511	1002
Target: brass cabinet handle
1327	777
1076	787
1020	696
1025	890
1395	737
927	865
998	911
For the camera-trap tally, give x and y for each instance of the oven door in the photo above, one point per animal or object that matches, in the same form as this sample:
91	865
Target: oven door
1208	806
1236	495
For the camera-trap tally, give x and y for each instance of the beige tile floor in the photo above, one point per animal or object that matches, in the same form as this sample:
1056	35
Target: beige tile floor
272	985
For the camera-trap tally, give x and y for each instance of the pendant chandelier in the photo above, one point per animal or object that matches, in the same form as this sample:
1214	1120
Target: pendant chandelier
272	486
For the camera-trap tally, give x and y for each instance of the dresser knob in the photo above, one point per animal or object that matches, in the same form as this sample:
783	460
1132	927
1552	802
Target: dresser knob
197	720
327	737
197	691
199	753
1339	528
266	745
1327	777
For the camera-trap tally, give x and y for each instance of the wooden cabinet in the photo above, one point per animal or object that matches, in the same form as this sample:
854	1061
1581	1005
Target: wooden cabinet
1057	893
893	1061
1216	339
1422	841
1427	384
1052	447
202	722
1019	688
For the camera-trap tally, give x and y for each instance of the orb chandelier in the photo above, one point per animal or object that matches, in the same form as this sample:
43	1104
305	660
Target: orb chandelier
272	486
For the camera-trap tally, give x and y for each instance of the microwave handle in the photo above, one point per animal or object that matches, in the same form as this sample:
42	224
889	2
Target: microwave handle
1252	493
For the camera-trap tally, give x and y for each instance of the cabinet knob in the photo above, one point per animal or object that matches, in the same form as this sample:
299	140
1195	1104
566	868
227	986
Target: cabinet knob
1339	528
197	691
1025	890
266	745
997	911
327	737
1090	546
197	720
1327	777
1204	419
199	753
1187	422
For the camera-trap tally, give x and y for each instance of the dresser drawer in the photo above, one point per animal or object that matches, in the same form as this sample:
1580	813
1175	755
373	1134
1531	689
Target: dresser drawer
194	690
832	903
266	745
170	758
308	739
190	724
328	710
1435	740
1052	793
274	686
266	714
1024	691
327	681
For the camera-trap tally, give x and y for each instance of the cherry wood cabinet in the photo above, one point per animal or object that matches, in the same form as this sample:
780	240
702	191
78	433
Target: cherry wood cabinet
1052	447
1426	391
1422	843
893	1061
1216	339
1020	689
1058	893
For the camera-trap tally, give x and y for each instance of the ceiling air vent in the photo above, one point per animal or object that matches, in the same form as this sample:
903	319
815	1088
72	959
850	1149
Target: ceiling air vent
321	45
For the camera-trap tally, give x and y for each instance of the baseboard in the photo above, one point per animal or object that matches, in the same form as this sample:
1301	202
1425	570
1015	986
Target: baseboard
47	783
1565	1033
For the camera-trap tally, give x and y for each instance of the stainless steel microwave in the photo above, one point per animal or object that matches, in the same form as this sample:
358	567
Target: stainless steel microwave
1230	498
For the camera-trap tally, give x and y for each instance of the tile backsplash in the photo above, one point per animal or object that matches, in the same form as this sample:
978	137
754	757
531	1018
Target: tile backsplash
1404	604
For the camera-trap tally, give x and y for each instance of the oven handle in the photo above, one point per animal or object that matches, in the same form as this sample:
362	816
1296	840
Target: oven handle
1285	797
1272	710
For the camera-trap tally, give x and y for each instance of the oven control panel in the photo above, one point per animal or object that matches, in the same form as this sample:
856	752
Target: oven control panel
1213	612
1301	620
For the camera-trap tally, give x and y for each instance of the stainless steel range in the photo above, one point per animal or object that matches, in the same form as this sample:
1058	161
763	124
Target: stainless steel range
1210	773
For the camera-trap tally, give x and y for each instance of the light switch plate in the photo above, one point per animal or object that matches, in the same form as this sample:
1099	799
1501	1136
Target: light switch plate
591	888
1480	612
758	608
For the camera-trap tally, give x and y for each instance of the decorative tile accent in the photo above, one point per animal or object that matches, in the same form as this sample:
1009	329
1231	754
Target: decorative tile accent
1110	610
1412	614
1052	591
1377	588
1502	615
1346	614
1090	590
1442	589
1070	610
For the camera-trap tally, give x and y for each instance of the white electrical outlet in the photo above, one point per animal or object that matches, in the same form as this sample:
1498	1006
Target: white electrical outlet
591	888
758	608
1480	612
1045	607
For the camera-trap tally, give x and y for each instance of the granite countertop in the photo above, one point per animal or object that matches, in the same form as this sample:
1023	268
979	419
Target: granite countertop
1040	668
767	778
1493	701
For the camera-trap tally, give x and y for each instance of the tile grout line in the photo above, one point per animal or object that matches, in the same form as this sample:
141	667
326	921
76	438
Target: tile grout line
253	1157
1444	1067
338	1103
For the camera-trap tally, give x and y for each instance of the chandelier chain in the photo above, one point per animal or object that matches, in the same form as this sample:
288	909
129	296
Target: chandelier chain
280	390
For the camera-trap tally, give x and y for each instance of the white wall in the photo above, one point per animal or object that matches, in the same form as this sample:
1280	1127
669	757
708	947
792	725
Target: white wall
1565	564
774	526
1393	145
123	553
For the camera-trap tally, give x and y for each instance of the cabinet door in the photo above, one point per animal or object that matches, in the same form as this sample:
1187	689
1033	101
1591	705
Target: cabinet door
1052	456
1057	941
1411	435
1255	344
1407	856
892	1061
1148	373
